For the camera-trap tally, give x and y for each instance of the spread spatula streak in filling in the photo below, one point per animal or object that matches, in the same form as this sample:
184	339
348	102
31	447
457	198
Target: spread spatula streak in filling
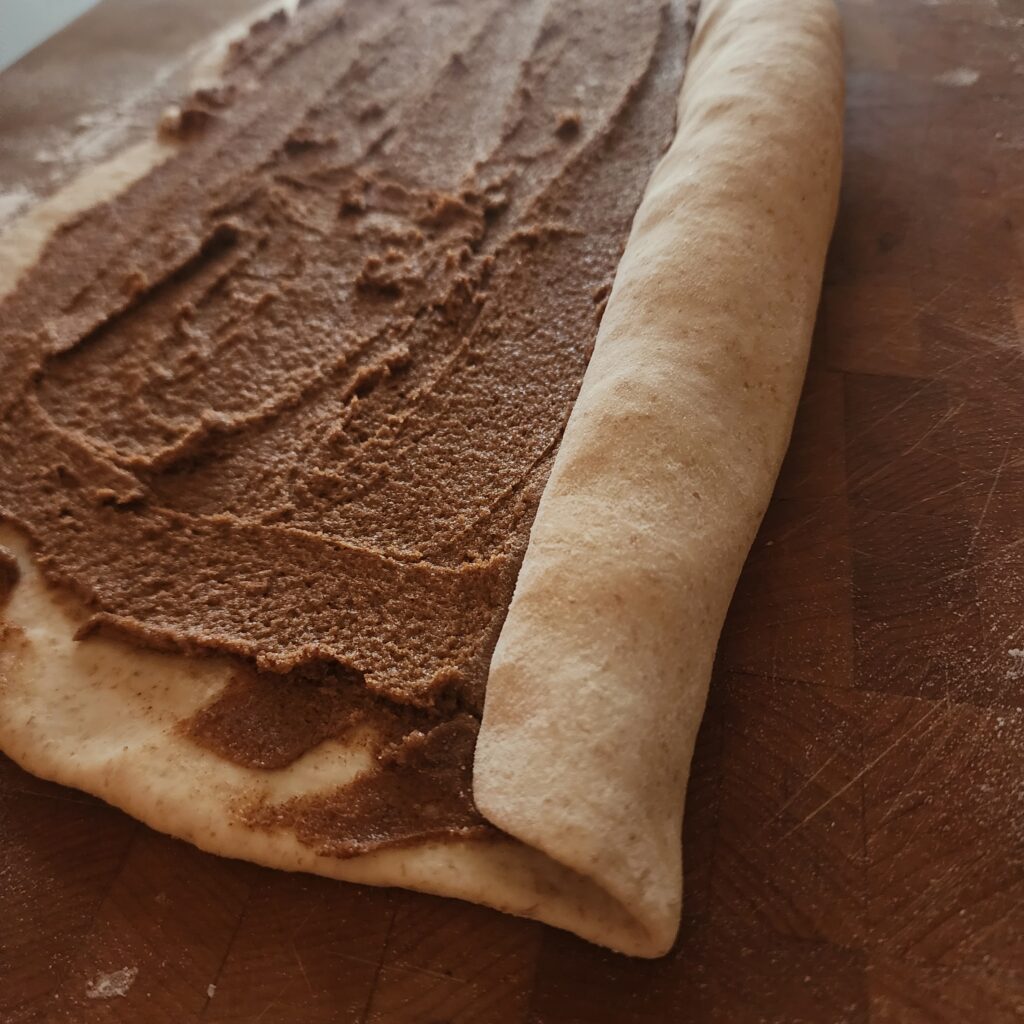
294	395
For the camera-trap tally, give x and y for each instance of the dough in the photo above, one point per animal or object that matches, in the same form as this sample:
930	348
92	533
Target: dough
597	683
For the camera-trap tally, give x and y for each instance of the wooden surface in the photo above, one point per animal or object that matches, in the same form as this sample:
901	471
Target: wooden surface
855	823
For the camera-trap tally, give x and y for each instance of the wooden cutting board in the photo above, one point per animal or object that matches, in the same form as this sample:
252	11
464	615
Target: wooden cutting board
854	835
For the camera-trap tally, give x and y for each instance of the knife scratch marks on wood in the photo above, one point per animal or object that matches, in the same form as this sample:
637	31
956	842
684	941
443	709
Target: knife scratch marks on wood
295	950
1010	910
302	967
994	560
903	736
903	797
71	798
365	1016
926	383
228	947
266	1009
801	789
799	526
940	422
889	413
886	466
922	904
945	490
984	509
407	968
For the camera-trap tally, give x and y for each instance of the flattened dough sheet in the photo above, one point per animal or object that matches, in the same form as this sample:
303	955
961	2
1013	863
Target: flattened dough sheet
598	682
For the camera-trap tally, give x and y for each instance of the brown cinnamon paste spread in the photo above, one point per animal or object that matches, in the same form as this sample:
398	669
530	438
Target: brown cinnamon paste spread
293	396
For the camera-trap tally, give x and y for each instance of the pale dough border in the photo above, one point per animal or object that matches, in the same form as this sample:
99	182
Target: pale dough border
598	682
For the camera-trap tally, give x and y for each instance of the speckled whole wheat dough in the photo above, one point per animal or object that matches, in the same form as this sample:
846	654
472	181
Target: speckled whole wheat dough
598	682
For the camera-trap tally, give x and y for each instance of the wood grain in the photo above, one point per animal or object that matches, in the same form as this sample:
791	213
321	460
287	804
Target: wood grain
854	839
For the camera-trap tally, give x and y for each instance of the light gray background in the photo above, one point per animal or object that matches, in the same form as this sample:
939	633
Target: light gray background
26	23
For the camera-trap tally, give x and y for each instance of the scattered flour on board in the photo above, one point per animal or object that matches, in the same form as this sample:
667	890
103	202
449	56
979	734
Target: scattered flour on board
211	990
1016	670
98	133
117	983
13	200
959	78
